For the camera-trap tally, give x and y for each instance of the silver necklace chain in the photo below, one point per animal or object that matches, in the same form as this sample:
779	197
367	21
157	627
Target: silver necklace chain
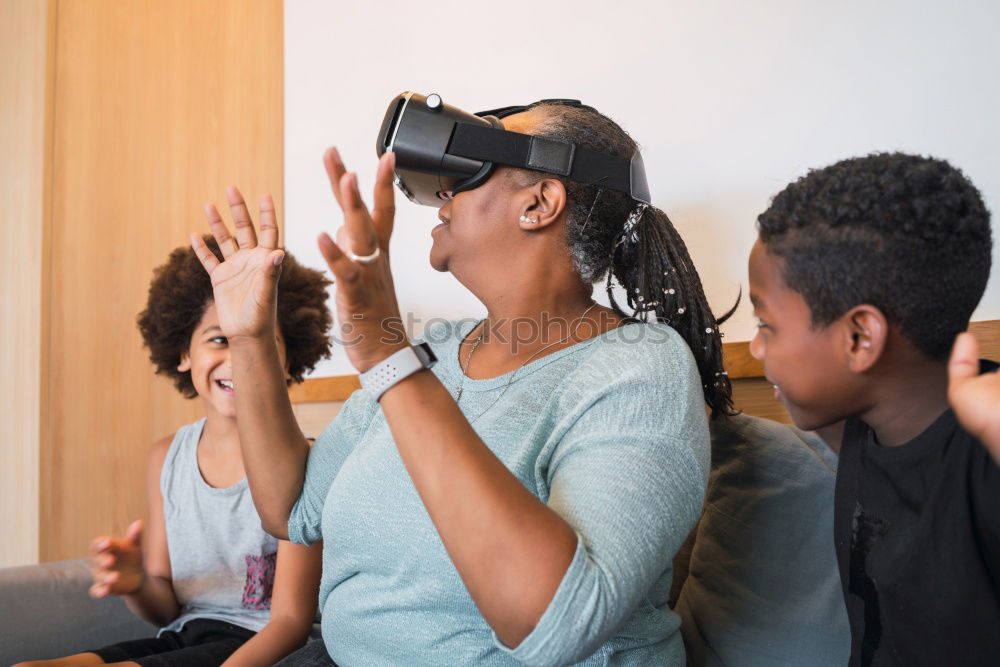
510	380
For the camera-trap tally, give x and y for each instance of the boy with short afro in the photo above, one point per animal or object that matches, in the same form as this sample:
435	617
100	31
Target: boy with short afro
863	275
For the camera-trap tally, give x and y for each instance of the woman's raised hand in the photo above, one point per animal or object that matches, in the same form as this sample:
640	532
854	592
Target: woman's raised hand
245	282
370	324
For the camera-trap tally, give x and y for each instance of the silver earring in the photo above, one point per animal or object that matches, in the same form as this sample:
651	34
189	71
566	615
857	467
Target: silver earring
528	221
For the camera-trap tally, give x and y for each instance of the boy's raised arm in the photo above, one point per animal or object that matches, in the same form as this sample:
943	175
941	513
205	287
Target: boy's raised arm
975	398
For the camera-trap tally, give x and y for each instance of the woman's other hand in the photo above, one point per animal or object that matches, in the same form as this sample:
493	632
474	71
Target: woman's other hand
974	397
371	328
116	565
245	282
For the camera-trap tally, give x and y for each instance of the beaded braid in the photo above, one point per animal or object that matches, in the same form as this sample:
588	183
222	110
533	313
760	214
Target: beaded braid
612	236
653	266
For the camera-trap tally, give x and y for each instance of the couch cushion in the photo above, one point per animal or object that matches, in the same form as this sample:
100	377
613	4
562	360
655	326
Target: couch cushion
763	586
45	612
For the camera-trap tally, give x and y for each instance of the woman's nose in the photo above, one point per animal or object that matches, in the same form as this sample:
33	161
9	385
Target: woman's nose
444	213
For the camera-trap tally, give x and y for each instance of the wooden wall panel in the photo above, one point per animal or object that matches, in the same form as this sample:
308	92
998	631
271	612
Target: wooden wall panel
158	105
26	30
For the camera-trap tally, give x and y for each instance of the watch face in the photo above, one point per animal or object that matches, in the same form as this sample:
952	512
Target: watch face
425	354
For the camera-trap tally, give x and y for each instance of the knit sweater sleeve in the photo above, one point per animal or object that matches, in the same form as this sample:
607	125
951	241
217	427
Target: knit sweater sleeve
628	473
326	457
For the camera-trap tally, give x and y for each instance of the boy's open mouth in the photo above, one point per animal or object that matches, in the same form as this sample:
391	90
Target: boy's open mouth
225	384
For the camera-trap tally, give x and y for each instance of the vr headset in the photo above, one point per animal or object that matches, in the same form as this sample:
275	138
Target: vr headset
442	150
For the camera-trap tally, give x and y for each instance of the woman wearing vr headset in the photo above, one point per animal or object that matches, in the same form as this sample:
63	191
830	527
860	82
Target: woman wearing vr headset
521	502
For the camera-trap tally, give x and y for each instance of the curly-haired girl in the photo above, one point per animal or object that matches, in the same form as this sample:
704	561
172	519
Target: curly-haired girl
202	568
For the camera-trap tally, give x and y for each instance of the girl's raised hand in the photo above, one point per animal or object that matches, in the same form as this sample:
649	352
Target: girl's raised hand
245	281
370	324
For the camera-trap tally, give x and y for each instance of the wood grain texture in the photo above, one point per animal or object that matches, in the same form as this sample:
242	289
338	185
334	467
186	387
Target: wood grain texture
313	418
988	335
755	396
739	362
321	390
158	106
26	62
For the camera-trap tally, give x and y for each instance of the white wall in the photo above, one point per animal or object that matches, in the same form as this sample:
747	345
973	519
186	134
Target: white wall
730	101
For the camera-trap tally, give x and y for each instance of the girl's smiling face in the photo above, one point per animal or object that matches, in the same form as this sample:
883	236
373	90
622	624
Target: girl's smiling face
208	360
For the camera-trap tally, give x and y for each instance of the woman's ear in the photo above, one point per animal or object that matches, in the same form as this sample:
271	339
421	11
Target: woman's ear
545	205
868	330
185	364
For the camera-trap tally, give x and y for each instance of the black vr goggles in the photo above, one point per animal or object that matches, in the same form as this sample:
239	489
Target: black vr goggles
440	149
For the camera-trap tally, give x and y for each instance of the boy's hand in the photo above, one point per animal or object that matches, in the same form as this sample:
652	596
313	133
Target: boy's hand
975	398
116	564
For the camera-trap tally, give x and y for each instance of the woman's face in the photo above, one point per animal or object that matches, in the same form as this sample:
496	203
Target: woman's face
479	226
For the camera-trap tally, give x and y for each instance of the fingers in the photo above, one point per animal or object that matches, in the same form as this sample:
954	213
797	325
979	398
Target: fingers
359	223
268	223
964	363
356	218
246	237
335	170
218	228
273	267
99	544
344	270
104	582
384	211
133	534
203	253
100	567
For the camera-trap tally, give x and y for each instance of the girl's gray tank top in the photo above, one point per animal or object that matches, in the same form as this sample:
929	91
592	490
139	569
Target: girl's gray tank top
221	560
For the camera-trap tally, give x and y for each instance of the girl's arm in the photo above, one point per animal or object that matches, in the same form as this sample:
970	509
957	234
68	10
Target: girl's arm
274	449
245	292
293	607
140	573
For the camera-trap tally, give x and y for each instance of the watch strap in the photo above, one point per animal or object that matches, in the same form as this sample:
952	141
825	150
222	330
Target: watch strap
397	366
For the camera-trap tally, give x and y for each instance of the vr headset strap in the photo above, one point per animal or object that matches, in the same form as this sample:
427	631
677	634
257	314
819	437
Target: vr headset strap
549	155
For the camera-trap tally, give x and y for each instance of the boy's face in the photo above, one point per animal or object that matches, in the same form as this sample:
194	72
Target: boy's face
209	362
806	365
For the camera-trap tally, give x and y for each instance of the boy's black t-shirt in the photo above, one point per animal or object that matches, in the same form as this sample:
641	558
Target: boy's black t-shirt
917	533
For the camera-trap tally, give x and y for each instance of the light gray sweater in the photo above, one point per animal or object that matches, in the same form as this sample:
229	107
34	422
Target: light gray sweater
611	433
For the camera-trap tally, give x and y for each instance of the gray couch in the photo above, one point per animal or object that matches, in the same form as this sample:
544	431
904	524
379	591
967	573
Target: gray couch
45	612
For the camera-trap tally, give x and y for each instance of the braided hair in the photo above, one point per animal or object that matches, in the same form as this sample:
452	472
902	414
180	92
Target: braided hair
612	236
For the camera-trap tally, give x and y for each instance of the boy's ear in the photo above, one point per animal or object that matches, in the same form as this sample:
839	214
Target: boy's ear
546	202
185	364
867	331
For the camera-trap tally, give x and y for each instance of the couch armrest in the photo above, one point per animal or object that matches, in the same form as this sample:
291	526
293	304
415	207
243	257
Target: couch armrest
45	612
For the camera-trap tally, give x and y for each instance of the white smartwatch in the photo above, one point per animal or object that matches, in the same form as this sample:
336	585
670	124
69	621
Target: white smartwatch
379	378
